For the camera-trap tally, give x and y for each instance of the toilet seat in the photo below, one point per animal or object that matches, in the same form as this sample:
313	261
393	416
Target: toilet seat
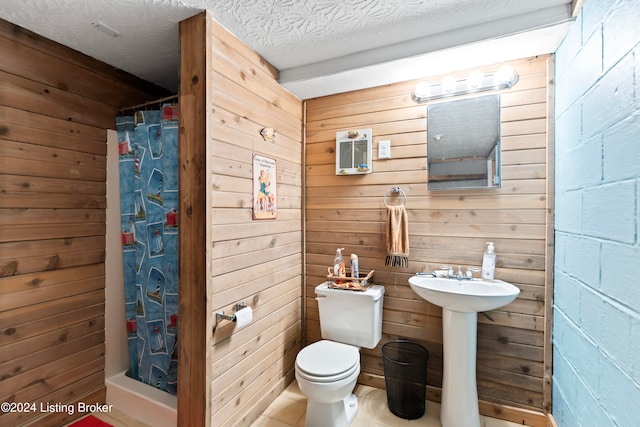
327	361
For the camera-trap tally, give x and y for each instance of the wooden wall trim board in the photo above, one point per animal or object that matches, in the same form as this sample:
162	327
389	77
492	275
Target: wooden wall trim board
194	391
446	227
576	7
550	247
303	160
55	108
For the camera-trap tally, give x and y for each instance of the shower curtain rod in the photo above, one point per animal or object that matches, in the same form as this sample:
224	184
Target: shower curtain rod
157	101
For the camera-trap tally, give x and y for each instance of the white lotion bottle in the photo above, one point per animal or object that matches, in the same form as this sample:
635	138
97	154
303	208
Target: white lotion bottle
489	263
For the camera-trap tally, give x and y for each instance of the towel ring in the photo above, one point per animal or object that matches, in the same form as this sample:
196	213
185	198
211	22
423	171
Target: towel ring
395	190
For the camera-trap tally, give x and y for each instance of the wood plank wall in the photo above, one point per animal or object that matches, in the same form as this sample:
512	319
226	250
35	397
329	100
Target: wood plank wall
255	262
446	227
55	107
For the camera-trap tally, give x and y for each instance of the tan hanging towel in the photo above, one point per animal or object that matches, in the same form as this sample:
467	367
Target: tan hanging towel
397	236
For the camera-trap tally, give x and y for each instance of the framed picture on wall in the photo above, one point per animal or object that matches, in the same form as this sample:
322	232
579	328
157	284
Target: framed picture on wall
264	188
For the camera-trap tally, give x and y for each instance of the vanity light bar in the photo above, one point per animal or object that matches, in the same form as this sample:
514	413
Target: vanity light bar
504	78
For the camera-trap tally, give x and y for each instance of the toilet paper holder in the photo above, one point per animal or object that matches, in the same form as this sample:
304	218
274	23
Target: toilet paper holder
231	317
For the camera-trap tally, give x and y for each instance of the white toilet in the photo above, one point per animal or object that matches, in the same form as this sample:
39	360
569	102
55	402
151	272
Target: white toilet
327	370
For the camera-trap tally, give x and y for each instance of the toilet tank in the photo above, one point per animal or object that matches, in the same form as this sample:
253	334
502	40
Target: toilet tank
351	317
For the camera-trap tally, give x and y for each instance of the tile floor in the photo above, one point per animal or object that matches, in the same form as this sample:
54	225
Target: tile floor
288	410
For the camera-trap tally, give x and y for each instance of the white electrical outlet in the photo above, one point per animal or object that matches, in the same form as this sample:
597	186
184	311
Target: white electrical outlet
384	150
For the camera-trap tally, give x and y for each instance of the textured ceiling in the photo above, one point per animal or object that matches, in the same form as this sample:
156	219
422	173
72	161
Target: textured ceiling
304	39
292	33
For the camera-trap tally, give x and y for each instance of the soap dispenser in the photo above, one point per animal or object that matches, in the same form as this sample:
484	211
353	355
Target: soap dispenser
338	264
489	262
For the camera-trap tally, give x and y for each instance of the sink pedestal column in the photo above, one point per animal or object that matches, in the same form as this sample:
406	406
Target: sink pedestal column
459	407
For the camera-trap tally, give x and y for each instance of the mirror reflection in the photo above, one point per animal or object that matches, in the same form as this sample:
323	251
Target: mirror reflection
353	153
463	143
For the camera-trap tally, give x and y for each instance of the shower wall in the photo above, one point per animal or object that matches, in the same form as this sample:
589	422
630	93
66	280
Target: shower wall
56	107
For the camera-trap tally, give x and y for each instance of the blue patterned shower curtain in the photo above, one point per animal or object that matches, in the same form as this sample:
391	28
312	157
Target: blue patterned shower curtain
148	148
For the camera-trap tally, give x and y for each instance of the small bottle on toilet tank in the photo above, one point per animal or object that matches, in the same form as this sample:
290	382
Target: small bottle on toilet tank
354	266
338	264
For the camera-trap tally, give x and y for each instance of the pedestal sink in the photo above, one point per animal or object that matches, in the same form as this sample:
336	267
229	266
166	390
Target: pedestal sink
461	300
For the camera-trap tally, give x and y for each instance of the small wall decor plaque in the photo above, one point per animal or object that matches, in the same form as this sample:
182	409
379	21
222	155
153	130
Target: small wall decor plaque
264	188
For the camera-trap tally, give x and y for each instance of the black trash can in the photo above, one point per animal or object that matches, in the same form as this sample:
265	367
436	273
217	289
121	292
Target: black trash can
405	376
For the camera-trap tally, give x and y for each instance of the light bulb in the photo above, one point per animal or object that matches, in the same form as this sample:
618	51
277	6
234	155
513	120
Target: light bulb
448	84
504	75
422	90
474	81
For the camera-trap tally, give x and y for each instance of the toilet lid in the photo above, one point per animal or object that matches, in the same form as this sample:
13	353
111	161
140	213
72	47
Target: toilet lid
327	359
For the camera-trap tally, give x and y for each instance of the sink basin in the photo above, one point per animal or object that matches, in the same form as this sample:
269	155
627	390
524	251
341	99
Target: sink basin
466	296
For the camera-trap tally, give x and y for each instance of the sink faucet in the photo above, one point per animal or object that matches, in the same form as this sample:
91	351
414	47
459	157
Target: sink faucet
470	271
460	275
448	272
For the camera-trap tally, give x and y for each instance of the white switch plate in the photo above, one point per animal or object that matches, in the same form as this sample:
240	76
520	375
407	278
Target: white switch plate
384	150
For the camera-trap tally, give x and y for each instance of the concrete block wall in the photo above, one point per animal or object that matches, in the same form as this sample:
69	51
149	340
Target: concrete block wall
596	332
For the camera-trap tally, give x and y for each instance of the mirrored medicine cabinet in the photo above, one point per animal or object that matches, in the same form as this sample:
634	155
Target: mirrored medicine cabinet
463	143
353	152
